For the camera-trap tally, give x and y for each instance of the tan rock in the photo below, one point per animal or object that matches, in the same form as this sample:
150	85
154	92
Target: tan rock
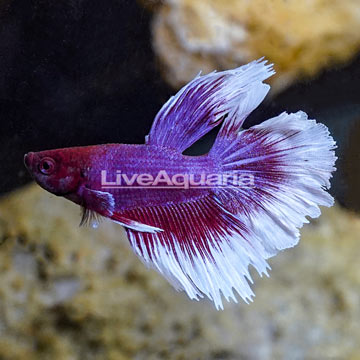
300	37
69	293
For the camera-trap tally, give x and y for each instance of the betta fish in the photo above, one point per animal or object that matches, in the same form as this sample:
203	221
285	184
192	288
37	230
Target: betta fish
201	221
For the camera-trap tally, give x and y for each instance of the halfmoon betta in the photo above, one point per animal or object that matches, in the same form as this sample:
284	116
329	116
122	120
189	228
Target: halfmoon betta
203	236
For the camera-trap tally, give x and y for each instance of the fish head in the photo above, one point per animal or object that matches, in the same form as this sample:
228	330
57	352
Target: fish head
56	171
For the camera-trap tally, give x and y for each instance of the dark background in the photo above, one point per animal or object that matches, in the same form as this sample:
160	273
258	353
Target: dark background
83	72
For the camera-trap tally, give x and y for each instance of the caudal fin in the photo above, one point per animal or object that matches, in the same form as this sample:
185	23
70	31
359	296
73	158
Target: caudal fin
282	168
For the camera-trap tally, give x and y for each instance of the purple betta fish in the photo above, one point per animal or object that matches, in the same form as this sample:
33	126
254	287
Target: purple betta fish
202	220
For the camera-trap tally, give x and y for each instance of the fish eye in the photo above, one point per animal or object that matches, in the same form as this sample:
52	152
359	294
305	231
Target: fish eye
47	166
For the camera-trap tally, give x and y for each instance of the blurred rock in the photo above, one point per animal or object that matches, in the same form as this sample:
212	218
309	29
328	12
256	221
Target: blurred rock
69	293
299	37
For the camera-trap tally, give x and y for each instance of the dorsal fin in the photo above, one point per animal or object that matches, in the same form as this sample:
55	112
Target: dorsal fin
201	105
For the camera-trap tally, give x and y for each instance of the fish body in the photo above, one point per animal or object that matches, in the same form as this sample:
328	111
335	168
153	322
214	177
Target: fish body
202	220
127	162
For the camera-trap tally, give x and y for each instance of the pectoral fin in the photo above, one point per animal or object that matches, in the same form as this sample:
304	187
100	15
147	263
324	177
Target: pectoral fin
101	203
95	204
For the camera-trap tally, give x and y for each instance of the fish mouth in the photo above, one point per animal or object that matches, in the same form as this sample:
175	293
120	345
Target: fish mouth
28	159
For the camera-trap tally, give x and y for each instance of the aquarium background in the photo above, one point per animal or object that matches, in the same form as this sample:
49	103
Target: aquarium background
86	72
